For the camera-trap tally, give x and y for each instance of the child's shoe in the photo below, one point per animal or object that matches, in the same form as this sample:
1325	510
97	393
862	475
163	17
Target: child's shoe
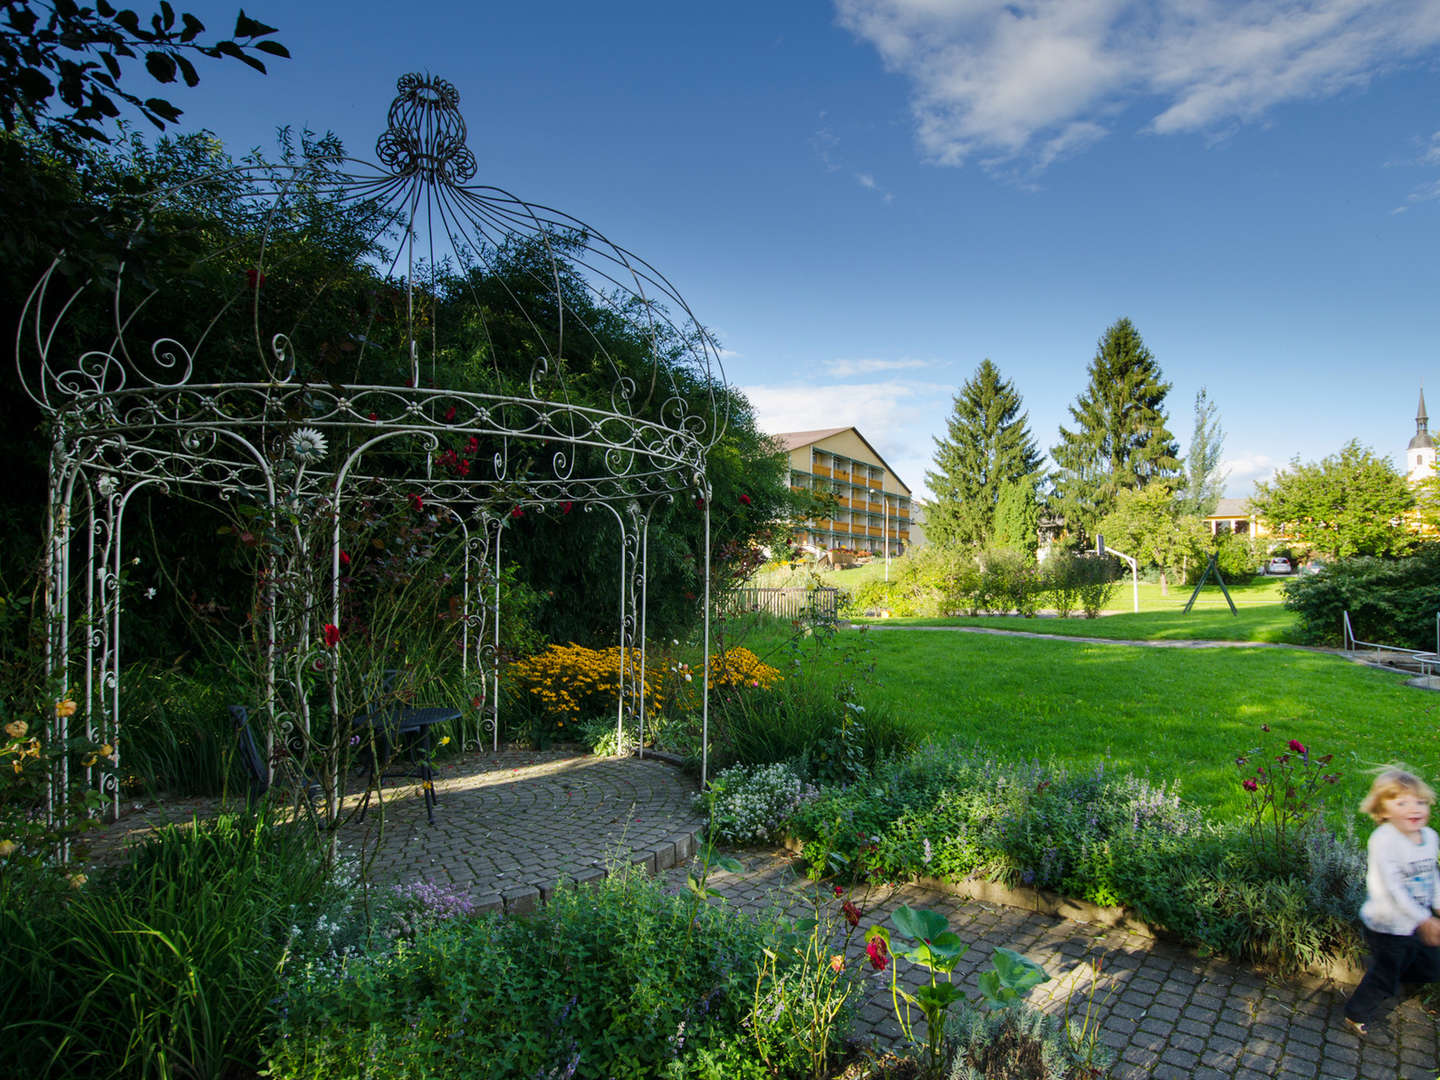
1356	1028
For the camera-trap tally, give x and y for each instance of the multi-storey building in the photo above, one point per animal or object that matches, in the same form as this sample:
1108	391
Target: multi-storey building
874	505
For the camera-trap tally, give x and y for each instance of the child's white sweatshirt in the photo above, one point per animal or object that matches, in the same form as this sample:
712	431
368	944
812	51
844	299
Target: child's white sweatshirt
1402	880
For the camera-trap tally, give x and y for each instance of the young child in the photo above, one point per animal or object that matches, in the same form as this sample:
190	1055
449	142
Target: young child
1403	894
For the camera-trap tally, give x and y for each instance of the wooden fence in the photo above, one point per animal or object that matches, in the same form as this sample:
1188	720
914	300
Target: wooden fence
787	603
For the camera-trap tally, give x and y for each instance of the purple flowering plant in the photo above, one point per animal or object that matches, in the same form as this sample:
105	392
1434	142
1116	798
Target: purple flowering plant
1285	792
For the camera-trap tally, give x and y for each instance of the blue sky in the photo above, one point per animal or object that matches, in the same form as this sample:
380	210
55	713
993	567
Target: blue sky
865	198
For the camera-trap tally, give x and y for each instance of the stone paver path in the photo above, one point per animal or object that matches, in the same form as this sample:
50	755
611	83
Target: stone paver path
1165	1012
509	825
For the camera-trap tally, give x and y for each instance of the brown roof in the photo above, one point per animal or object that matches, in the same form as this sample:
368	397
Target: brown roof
792	440
1232	508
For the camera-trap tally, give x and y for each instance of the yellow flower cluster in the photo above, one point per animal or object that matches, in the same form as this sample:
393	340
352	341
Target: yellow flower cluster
571	681
739	667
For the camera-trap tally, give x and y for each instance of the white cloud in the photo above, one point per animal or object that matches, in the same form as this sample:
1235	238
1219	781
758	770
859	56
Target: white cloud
1243	471
844	369
895	417
1429	191
1035	80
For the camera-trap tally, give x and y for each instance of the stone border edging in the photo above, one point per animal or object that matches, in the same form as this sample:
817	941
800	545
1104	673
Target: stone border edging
1069	908
526	898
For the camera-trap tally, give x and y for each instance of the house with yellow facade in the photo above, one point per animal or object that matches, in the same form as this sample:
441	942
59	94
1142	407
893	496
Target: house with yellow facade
873	505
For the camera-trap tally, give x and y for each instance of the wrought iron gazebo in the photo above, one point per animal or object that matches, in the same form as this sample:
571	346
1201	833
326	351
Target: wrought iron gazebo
137	406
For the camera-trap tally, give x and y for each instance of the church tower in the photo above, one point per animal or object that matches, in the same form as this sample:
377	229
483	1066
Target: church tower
1420	455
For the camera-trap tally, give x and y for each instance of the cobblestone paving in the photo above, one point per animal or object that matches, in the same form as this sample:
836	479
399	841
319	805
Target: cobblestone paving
509	825
1165	1012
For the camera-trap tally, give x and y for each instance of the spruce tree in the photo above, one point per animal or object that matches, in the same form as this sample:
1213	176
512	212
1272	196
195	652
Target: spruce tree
987	445
1120	440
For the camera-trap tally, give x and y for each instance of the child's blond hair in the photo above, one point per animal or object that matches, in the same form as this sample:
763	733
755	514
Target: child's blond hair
1390	784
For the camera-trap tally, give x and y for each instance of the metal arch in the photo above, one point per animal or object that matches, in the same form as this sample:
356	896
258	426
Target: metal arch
128	412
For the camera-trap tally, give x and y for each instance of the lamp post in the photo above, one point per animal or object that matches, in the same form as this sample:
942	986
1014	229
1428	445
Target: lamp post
885	528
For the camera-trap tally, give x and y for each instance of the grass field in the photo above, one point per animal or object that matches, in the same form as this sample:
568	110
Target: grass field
1177	713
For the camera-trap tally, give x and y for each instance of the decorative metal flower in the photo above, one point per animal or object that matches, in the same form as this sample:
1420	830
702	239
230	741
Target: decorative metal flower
307	444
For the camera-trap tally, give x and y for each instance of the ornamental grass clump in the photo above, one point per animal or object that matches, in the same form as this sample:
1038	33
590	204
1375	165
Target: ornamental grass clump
168	965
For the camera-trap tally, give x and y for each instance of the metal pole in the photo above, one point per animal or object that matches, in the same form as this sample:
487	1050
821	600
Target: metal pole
885	529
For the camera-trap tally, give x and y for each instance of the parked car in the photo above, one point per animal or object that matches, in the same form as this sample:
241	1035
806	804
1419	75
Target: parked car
1278	565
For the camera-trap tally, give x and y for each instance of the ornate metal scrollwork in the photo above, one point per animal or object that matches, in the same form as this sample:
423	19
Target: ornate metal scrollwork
133	407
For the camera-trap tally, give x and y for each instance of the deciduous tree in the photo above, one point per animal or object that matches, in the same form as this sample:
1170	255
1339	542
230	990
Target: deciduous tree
1148	525
1351	503
1204	479
1121	440
987	445
77	54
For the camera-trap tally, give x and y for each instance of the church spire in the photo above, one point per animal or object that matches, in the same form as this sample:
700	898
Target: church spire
1422	438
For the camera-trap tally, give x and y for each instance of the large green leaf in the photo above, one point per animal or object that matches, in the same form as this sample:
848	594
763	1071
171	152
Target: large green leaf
918	923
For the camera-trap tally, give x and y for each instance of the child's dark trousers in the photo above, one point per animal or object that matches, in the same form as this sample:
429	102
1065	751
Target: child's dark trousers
1393	960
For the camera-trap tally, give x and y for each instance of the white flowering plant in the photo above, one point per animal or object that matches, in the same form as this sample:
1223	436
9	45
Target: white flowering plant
750	804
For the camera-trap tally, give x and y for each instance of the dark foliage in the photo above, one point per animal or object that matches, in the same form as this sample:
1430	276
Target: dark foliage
1390	601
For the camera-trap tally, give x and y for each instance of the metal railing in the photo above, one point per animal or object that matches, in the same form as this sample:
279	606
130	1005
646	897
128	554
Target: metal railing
1426	661
787	602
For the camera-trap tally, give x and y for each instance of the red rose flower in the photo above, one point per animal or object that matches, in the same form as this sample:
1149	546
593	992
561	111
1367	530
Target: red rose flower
450	414
700	503
745	499
344	559
518	512
852	913
1297	746
374	416
565	507
1249	784
416	502
332	635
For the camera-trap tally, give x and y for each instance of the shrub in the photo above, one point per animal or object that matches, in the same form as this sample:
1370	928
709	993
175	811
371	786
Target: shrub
1110	839
1009	581
1078	581
616	980
1391	601
1060	579
1237	557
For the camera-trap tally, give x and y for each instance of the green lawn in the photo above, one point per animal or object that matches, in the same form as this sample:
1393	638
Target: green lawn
1181	714
1176	713
1260	617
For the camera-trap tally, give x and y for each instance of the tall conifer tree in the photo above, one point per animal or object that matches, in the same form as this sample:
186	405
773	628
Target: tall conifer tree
987	445
1121	439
